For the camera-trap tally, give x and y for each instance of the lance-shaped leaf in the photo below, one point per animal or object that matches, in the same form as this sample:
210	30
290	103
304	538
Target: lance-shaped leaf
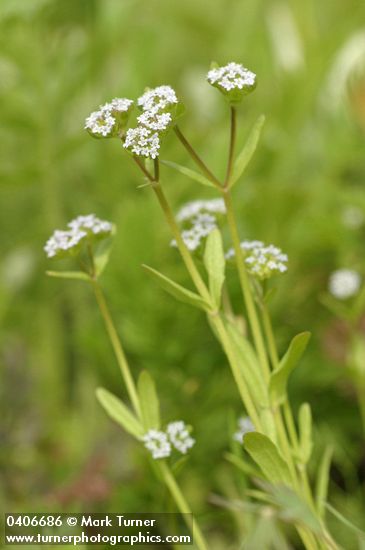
323	480
279	378
150	406
179	292
266	455
78	275
305	433
249	365
189	173
214	262
102	252
248	150
121	414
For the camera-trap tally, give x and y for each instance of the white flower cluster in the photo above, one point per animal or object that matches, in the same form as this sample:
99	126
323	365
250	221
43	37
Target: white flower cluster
200	216
157	443
344	283
142	142
245	426
177	436
79	229
180	437
145	139
262	261
157	99
103	122
231	76
191	209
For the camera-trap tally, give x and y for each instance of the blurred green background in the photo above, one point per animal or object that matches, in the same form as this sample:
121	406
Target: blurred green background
304	191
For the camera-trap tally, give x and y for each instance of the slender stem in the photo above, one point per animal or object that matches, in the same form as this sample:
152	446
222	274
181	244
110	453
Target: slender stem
140	164
196	158
245	285
182	505
117	347
232	143
186	256
214	318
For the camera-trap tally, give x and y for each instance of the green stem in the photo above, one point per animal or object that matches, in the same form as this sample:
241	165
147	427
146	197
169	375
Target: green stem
245	285
182	505
232	143
186	256
214	317
196	158
117	347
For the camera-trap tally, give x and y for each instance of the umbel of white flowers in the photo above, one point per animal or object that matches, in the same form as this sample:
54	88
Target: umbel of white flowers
110	118
160	106
262	261
199	218
344	283
176	436
244	426
155	119
233	80
81	229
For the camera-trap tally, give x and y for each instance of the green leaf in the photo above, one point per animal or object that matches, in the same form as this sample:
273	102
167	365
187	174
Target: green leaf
189	173
248	150
179	292
249	365
305	433
214	262
279	378
266	455
102	252
150	407
293	508
323	480
116	409
345	521
79	275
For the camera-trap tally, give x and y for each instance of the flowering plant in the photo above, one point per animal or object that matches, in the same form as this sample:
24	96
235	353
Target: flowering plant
275	448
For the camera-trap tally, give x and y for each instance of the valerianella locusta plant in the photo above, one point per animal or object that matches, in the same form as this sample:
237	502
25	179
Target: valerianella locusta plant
276	447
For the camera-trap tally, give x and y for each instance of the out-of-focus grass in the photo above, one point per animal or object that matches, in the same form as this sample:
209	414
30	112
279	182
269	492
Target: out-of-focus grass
61	59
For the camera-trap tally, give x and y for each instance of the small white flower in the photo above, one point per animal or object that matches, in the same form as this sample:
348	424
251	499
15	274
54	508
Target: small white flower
118	104
245	426
179	436
231	76
62	241
191	209
155	121
79	229
201	226
91	223
100	123
142	142
262	261
344	283
157	99
157	443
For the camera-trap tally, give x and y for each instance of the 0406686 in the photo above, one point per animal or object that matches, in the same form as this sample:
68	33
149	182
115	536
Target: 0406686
33	520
